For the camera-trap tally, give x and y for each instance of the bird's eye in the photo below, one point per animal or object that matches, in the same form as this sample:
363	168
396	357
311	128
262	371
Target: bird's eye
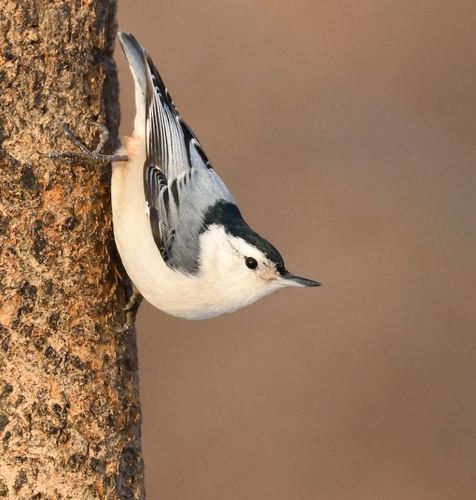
251	263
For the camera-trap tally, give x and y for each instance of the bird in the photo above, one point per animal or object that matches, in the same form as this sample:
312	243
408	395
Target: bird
179	232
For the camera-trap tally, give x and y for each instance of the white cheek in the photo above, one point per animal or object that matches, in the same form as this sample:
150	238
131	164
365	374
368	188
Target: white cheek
215	252
215	258
222	262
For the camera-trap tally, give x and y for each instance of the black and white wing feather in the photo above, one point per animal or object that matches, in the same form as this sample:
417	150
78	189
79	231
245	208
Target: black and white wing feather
180	184
170	142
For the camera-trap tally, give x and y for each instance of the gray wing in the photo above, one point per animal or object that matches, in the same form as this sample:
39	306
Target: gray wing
180	184
177	210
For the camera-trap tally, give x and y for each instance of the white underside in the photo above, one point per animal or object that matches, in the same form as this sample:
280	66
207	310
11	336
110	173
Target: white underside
191	297
217	288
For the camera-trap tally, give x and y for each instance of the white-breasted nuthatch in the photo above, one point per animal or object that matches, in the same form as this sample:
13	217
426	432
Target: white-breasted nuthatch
179	232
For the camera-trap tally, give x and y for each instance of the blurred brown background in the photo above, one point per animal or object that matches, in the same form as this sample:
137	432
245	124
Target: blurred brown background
346	130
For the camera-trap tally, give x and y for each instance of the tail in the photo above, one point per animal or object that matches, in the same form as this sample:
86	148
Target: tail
136	57
170	143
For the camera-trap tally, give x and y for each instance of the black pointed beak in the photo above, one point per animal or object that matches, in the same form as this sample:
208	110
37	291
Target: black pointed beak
292	280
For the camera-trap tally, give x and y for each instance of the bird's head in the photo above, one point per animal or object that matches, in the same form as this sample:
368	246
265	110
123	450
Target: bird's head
241	266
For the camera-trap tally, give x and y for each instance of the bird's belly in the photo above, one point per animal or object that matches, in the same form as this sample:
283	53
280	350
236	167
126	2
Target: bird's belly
171	291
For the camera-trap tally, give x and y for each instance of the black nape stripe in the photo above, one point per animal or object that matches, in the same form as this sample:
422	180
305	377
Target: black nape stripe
229	216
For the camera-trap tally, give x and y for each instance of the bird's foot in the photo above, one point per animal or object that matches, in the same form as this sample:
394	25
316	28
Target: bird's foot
131	308
91	156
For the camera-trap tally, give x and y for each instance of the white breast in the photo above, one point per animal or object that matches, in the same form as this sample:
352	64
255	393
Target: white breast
191	297
139	253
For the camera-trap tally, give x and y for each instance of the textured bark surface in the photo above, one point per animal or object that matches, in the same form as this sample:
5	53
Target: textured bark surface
69	408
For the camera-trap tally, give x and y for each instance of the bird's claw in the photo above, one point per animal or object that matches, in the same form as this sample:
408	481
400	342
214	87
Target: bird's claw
124	327
91	156
131	308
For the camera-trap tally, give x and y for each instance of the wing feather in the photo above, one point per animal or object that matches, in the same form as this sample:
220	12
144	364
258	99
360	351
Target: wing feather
180	184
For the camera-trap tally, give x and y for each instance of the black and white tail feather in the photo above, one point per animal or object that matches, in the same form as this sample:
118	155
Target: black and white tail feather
179	181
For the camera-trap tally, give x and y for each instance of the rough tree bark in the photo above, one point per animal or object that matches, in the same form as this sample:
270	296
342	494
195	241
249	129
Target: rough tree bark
69	408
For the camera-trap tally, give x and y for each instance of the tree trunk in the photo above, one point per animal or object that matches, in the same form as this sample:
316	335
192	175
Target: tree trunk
69	407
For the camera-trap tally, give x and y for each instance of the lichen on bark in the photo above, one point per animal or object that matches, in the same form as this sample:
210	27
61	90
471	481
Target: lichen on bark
69	407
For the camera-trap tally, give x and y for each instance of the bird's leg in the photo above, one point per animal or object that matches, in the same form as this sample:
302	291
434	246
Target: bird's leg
84	153
131	308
